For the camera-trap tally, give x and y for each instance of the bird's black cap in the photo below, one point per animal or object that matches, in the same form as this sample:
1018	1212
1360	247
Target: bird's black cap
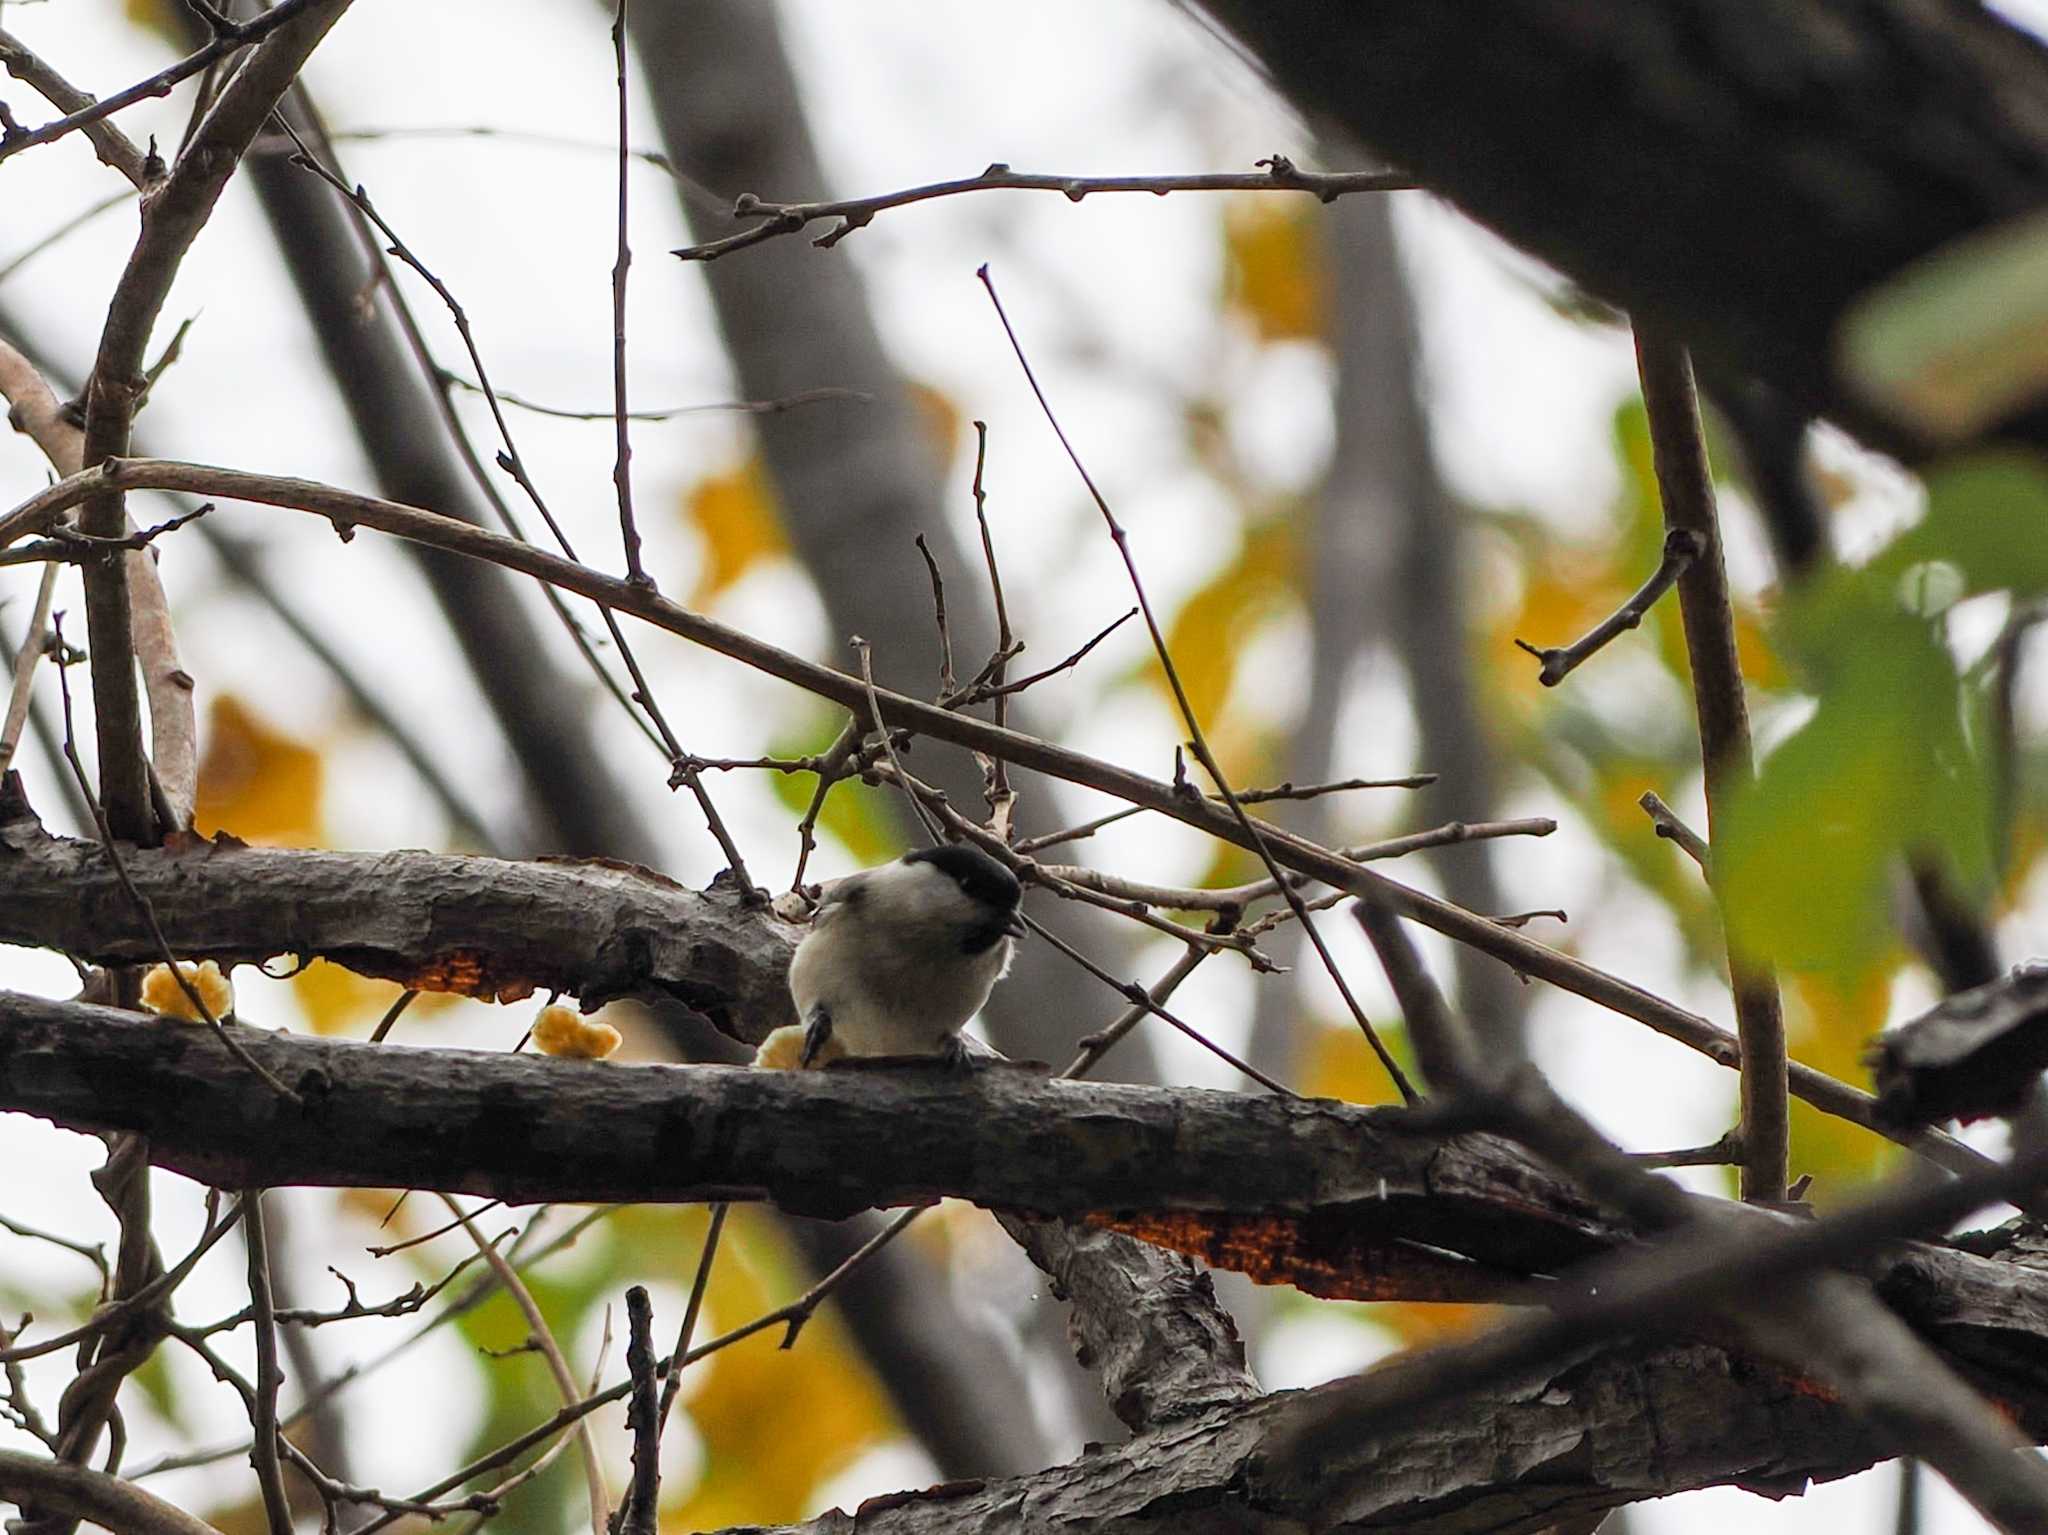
978	874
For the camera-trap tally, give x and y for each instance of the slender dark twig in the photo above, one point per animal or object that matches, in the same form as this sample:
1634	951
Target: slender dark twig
867	676
999	795
1197	739
947	682
160	83
1681	547
643	1497
1279	175
622	474
1686	483
691	1312
392	1015
269	1375
113	146
1673	829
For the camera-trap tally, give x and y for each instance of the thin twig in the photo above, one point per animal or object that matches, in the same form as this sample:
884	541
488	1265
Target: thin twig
643	1497
1279	175
867	676
1095	1046
392	1015
126	1306
93	1252
22	693
1139	997
996	771
976	693
681	775
160	83
947	682
1670	826
269	1377
1681	547
558	1366
691	1312
622	472
832	767
1197	739
1686	483
738	407
113	146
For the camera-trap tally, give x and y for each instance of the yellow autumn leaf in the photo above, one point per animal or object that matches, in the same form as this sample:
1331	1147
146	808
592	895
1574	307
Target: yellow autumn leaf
1418	1323
736	517
1208	634
1831	1022
163	17
255	781
941	420
1273	271
1338	1063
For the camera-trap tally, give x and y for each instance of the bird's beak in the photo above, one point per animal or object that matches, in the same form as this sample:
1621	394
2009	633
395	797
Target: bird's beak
1015	926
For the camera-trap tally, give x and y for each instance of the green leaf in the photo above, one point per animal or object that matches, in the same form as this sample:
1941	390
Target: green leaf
1986	515
1882	769
1959	340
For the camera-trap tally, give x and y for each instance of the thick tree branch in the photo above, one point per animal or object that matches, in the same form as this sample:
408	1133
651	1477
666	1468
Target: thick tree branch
347	510
1614	1428
1749	172
526	1128
481	926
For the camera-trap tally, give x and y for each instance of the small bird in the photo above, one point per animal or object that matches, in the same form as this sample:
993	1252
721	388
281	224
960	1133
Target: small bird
900	956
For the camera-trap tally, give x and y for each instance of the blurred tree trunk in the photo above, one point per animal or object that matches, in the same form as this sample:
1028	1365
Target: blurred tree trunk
1386	566
856	481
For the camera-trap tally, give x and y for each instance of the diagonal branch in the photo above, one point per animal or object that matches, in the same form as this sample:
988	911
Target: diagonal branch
347	510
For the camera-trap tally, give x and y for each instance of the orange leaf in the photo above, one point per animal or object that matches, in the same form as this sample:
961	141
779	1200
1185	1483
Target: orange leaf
257	782
735	515
1273	267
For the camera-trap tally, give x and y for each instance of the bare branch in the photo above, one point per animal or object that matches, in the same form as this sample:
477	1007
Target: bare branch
159	84
1280	175
1687	487
1672	828
78	1492
347	510
114	147
1681	547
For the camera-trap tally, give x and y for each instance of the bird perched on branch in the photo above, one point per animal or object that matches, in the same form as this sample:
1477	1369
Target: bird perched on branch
899	957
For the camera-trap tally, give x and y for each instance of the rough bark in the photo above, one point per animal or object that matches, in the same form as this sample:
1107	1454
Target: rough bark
1738	174
1624	1425
526	1128
1148	1320
486	927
